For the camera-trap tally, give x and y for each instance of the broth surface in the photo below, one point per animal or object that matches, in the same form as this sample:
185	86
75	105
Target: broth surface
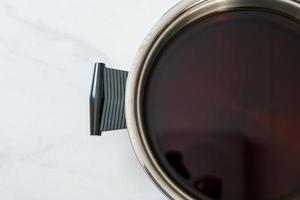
222	107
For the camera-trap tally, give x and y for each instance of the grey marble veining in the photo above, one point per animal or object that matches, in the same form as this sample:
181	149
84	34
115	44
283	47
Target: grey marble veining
47	51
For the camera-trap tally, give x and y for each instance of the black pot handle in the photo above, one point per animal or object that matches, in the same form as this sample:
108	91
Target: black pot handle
107	99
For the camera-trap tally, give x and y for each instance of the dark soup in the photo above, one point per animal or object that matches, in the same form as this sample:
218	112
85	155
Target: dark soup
222	106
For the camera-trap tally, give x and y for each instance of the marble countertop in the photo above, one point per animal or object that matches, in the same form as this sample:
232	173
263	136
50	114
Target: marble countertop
47	51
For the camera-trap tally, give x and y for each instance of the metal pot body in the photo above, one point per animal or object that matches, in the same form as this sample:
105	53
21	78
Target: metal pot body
182	14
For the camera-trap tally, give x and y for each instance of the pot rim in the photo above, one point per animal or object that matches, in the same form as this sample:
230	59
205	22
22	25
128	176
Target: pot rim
176	18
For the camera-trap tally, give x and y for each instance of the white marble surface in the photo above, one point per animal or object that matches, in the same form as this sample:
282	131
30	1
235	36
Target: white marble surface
47	49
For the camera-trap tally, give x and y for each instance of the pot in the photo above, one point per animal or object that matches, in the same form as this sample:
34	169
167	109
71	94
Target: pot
118	102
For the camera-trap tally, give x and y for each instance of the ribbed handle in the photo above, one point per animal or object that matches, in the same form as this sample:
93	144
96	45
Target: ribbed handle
107	99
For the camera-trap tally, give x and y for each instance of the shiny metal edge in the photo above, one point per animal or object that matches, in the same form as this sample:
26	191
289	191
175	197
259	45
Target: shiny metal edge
177	17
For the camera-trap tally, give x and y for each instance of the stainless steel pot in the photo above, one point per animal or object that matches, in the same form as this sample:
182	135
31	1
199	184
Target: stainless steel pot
108	88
